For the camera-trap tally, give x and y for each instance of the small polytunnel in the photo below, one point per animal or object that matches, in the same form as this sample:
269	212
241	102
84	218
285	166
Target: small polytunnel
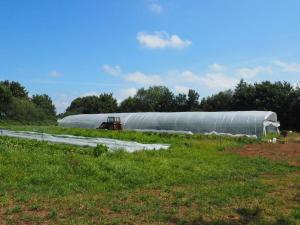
257	123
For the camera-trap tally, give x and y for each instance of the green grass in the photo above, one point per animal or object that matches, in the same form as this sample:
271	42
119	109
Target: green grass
194	182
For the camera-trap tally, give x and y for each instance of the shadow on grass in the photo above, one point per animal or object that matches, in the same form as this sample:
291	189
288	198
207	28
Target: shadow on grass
247	216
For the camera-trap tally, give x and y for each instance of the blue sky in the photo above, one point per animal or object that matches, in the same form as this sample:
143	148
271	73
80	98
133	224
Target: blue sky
75	48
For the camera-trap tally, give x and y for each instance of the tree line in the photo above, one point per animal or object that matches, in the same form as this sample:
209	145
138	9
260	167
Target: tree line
17	105
280	97
153	99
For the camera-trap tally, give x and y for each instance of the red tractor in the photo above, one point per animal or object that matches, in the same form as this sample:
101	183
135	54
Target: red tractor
112	123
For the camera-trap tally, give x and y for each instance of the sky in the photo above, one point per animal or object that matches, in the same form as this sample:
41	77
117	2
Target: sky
75	48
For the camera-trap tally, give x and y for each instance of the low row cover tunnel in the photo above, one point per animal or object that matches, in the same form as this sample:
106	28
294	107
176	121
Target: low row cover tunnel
252	123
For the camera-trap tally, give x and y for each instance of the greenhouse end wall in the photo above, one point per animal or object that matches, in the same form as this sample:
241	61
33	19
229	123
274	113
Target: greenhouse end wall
256	123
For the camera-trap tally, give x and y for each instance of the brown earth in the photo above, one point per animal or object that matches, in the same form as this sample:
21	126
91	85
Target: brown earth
284	151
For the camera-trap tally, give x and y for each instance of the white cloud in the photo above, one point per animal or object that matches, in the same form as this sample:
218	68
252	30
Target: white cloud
288	67
162	40
296	85
181	89
130	92
62	102
155	7
215	81
111	70
218	81
189	76
55	73
125	93
90	93
216	67
253	72
144	79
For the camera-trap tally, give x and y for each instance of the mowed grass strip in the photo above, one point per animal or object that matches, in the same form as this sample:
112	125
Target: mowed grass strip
195	181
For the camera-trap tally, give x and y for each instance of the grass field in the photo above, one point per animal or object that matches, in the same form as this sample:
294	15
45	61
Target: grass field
196	181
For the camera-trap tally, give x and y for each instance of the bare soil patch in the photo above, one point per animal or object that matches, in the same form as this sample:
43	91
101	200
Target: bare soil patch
289	152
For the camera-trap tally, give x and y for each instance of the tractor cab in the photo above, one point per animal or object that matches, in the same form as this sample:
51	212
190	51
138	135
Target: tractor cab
112	123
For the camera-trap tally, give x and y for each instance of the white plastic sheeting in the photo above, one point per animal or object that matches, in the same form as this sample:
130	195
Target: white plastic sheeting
165	131
239	122
112	144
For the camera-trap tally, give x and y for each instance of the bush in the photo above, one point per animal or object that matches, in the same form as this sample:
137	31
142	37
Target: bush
23	110
45	103
100	150
17	106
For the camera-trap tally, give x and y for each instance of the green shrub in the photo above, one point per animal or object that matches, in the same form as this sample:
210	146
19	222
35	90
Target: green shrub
52	214
16	106
23	110
100	150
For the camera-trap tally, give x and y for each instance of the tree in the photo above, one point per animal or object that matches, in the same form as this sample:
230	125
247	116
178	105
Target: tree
193	100
88	104
243	96
276	97
294	118
280	97
45	103
5	99
104	103
107	103
16	89
15	105
129	105
181	103
155	99
26	111
218	102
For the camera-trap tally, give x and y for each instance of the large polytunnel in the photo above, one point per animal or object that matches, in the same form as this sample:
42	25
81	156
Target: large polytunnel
240	122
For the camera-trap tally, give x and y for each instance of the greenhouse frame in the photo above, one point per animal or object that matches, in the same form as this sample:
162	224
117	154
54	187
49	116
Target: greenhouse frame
250	123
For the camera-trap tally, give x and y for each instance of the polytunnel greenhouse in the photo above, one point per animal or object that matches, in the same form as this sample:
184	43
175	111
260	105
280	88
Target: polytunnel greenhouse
252	123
